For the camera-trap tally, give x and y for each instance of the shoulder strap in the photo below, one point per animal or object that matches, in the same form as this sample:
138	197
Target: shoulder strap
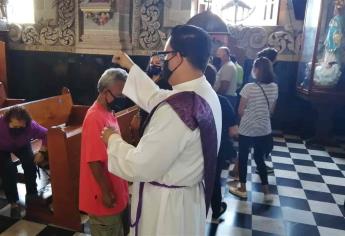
263	91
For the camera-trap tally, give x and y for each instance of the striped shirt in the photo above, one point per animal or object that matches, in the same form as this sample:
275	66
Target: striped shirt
256	118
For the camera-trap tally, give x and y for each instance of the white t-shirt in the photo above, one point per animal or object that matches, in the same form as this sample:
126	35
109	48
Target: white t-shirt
227	73
256	118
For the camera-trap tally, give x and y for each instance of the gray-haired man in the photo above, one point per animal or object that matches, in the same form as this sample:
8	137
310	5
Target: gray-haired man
102	195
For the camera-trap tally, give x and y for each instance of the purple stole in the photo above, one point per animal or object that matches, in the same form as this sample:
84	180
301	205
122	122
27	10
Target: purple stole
195	112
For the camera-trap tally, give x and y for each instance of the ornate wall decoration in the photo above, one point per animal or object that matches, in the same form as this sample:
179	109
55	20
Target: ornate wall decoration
150	18
249	38
253	39
30	35
15	32
49	35
47	32
285	42
66	16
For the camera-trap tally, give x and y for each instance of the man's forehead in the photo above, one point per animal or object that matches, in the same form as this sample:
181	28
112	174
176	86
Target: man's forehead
220	50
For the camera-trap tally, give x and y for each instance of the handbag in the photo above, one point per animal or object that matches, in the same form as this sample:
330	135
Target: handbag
269	146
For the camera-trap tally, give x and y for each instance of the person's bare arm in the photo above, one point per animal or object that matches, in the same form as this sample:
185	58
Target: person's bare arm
98	173
242	106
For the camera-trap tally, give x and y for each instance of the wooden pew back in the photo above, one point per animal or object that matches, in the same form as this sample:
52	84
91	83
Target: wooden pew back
4	100
48	112
64	152
64	122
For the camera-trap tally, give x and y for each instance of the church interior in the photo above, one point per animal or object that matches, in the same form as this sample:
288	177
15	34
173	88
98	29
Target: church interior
53	52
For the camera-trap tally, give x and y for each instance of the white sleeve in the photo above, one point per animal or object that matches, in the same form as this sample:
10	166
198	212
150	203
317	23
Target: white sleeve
142	90
164	138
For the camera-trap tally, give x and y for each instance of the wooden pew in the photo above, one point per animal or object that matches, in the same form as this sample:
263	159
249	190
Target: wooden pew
60	200
5	101
65	158
52	112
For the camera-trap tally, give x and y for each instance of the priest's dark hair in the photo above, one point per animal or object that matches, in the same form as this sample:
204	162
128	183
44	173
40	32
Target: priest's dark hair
19	113
193	43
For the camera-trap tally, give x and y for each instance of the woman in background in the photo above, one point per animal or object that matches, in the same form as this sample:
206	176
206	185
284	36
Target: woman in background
257	102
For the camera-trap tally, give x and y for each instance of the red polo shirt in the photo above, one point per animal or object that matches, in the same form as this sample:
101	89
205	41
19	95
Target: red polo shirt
93	149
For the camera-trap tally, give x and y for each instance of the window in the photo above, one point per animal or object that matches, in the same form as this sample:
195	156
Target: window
245	12
20	11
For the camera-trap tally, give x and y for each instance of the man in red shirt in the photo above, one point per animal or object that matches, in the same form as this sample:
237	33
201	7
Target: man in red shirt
102	195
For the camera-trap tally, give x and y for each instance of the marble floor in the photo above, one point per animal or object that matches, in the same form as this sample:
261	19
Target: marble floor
308	186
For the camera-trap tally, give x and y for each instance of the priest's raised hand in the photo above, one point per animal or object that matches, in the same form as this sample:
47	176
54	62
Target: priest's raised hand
123	60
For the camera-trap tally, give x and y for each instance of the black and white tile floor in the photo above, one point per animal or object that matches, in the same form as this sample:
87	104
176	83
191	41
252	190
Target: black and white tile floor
308	187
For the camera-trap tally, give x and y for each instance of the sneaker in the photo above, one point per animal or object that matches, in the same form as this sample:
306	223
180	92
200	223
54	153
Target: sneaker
223	207
236	191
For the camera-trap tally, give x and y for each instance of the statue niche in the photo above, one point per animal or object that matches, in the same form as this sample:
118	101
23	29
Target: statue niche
104	25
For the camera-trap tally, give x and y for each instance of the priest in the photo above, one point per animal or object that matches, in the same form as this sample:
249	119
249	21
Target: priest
173	166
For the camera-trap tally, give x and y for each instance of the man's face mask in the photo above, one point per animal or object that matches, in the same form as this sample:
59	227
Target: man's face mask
119	103
154	70
166	72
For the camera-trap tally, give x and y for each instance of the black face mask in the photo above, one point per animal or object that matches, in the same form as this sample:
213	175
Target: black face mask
166	72
118	104
154	70
17	131
217	62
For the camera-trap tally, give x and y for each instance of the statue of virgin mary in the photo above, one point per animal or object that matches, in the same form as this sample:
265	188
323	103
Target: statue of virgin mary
328	72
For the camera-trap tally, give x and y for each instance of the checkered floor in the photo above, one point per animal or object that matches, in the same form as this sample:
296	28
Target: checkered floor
308	186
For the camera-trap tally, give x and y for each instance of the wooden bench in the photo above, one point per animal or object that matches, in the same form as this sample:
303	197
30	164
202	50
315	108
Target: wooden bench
5	101
59	200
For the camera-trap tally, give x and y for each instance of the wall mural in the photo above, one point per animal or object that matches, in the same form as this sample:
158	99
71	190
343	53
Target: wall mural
48	32
253	39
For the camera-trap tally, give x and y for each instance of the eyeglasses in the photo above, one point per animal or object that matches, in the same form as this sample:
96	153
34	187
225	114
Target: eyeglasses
162	54
114	97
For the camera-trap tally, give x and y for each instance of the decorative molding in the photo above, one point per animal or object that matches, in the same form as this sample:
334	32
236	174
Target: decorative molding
46	32
285	42
147	18
253	39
